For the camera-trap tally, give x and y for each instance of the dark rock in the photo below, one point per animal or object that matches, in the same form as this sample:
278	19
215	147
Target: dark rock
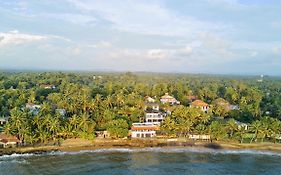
213	146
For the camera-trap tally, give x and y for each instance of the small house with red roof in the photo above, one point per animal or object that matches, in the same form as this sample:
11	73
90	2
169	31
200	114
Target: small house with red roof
201	105
143	130
8	140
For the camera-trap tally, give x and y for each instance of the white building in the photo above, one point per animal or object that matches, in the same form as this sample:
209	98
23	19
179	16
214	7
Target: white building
3	121
34	109
169	99
152	106
199	137
234	107
154	117
48	86
143	130
32	106
61	112
242	125
149	99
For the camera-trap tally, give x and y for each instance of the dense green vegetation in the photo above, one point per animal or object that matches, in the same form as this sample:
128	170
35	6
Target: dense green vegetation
113	102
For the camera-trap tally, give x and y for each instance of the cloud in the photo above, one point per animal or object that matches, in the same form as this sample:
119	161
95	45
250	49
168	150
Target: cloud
254	54
215	44
102	44
227	4
128	34
146	17
80	48
117	54
276	50
276	24
16	38
155	60
156	54
186	51
79	19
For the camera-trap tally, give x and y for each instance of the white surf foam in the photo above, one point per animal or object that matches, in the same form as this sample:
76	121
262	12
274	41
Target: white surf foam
154	149
15	155
170	150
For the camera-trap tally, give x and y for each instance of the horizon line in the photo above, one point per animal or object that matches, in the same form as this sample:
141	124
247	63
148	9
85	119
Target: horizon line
124	71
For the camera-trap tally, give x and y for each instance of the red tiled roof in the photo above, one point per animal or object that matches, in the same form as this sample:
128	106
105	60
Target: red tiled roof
199	103
8	138
167	96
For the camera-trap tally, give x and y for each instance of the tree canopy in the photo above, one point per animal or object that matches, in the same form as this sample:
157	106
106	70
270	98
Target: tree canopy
113	101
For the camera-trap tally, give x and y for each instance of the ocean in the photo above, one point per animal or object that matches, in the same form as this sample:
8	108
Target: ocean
150	161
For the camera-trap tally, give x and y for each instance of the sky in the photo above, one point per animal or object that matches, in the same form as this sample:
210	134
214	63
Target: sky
184	36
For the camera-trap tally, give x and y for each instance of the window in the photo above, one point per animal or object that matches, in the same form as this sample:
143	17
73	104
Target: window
147	135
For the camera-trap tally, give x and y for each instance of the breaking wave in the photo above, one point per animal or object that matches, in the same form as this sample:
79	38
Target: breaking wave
16	155
136	150
172	150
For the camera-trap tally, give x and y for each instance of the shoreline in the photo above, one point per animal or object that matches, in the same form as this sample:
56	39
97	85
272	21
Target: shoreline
76	145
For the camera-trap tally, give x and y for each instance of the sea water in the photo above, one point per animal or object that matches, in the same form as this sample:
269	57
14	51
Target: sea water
152	161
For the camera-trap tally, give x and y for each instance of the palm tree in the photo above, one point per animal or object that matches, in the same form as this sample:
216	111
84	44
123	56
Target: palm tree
46	121
109	102
169	125
204	118
83	122
23	133
98	99
31	138
18	122
200	128
231	126
32	97
46	108
267	129
119	99
275	128
54	127
256	127
74	121
8	129
67	130
16	118
43	136
37	122
217	130
85	98
240	133
185	127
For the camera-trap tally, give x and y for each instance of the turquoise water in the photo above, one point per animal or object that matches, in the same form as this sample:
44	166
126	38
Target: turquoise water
152	161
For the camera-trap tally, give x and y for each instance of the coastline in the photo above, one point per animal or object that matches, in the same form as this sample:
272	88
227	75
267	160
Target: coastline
75	145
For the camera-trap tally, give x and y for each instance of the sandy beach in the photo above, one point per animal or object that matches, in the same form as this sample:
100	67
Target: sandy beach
74	145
